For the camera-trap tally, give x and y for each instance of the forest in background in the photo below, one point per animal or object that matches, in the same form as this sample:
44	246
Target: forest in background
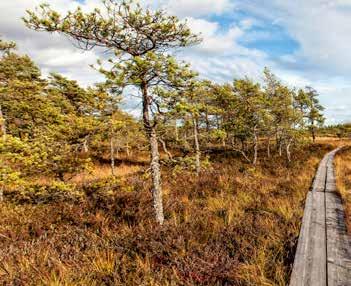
205	188
54	127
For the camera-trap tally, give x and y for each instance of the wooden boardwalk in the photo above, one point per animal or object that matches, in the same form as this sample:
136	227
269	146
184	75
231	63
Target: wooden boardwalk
323	255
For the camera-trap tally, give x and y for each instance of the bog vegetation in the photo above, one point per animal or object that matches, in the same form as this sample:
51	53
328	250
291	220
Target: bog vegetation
343	172
205	188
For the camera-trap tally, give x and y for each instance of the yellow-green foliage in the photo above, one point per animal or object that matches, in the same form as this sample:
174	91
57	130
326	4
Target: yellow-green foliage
233	223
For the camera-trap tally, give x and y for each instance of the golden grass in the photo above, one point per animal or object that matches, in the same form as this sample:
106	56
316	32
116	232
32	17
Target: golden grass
97	172
100	172
336	142
235	225
343	180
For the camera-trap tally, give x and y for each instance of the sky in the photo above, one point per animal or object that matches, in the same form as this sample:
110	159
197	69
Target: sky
304	42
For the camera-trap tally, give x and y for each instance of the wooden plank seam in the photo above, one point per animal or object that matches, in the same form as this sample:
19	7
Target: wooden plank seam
323	254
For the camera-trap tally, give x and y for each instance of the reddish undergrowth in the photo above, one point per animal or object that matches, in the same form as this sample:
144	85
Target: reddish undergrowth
343	175
235	225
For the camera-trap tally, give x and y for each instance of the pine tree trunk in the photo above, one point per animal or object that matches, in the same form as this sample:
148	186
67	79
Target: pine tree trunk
255	146
313	131
112	153
313	135
127	150
176	130
207	122
243	147
280	148
3	124
197	148
269	147
150	129
218	122
156	177
164	146
85	145
276	139
185	130
288	153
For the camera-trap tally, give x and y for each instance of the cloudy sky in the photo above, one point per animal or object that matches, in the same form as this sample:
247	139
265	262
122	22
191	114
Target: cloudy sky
305	42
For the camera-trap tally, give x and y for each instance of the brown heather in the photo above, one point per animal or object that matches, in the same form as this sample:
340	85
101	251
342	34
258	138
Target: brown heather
233	225
343	174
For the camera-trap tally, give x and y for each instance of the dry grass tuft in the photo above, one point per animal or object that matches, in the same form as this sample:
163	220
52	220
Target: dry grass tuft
101	172
343	180
235	225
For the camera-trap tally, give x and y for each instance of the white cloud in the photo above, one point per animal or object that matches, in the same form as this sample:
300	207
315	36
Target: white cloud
214	40
197	8
217	42
320	27
248	23
52	52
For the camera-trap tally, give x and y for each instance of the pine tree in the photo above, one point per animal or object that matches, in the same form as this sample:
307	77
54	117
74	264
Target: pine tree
130	31
308	103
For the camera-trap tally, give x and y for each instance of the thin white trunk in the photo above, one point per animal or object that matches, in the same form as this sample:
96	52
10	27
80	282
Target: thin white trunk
85	145
280	147
176	130
150	129
127	150
156	177
1	195
112	154
242	153
255	146
313	131
2	124
288	153
197	148
164	146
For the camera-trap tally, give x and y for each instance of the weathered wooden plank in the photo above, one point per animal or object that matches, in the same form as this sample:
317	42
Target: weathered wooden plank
338	243
323	256
320	178
318	257
300	269
310	265
325	167
331	181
